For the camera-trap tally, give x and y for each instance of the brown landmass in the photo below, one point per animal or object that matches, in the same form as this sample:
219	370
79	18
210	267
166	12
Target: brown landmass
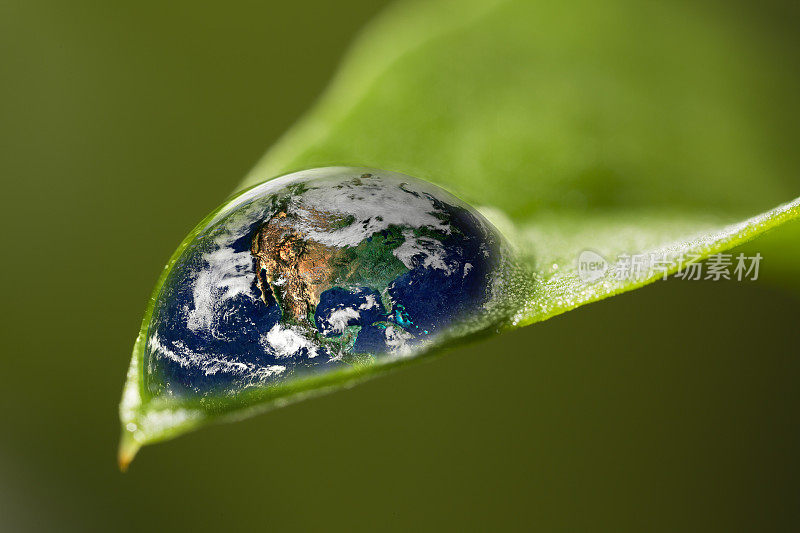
294	269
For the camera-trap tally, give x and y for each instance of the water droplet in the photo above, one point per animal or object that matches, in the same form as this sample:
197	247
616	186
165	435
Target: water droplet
317	271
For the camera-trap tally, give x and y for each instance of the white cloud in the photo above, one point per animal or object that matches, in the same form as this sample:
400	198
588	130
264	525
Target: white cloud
209	365
375	205
339	318
287	341
421	250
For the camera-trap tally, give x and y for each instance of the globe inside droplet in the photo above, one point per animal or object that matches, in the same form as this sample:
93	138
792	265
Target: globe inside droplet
318	270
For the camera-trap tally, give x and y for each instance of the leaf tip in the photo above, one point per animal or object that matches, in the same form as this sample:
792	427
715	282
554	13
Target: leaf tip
128	447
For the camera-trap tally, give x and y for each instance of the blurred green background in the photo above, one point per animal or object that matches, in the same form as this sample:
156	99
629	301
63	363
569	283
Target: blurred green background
672	408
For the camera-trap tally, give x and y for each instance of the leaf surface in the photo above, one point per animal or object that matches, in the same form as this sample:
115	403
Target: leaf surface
620	127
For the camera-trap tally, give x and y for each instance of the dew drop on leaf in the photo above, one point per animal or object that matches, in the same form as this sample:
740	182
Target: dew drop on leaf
316	271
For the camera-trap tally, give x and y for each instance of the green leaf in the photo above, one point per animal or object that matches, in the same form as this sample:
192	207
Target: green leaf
621	127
